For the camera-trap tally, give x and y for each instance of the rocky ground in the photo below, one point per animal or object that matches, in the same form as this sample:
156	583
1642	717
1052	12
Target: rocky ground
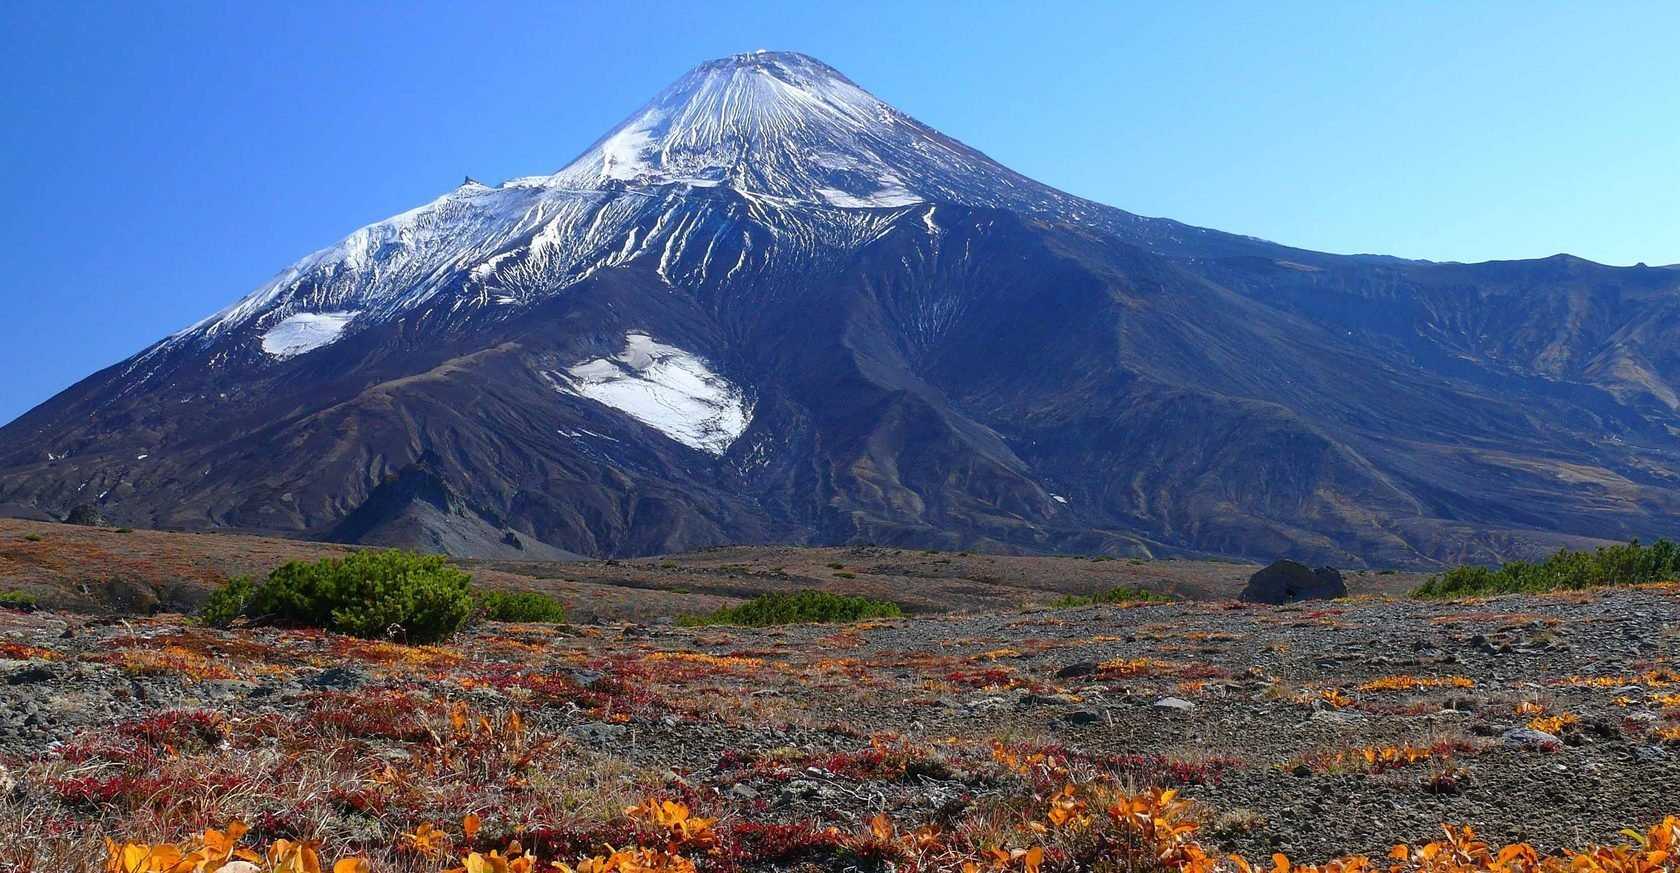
1315	730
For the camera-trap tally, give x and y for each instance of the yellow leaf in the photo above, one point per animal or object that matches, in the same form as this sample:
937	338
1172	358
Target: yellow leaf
352	865
470	825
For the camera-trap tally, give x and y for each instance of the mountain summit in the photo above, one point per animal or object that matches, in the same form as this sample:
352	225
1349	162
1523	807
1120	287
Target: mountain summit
786	126
768	307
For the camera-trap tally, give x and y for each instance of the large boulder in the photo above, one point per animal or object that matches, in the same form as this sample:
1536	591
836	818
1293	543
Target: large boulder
87	515
1286	581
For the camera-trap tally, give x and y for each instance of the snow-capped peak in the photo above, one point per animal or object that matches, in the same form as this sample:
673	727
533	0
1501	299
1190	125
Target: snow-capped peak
827	159
782	125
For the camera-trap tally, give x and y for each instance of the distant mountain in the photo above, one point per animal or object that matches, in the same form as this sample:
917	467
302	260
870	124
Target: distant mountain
768	307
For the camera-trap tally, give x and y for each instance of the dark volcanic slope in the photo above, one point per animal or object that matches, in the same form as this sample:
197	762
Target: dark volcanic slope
770	309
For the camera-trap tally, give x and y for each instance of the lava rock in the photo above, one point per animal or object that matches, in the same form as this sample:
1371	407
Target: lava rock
596	732
30	674
1339	717
87	515
1082	716
1530	738
343	678
1077	669
1286	581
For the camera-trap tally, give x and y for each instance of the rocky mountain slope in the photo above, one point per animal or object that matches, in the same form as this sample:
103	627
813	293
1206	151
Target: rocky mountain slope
769	308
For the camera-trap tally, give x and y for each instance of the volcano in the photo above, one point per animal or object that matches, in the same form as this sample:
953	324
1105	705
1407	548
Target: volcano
770	308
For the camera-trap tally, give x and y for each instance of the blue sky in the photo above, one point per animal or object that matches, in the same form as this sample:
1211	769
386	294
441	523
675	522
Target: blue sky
162	159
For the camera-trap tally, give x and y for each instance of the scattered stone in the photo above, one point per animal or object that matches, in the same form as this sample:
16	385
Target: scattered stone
25	673
1177	703
1077	669
595	732
1529	738
342	678
801	789
1650	754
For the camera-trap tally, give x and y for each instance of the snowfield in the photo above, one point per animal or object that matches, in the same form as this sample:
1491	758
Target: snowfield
305	332
668	389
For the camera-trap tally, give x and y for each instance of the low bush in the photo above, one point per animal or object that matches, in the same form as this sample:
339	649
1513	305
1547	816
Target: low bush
527	606
795	608
1122	594
1566	570
16	600
374	594
227	602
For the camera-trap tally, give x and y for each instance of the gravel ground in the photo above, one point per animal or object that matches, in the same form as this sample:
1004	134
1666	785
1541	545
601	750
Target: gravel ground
1315	730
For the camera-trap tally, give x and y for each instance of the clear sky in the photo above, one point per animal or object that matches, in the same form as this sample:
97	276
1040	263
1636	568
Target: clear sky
164	158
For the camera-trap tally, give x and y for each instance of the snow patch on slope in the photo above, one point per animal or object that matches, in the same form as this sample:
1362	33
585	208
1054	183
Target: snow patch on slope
305	332
891	193
622	153
668	389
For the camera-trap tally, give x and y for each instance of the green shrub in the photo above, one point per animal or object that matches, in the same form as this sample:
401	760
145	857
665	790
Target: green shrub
16	600
371	594
529	606
34	538
227	602
1566	570
797	607
1122	594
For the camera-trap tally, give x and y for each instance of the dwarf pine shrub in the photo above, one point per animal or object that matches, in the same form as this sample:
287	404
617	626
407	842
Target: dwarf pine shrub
797	607
418	598
1565	570
17	600
527	606
1122	594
